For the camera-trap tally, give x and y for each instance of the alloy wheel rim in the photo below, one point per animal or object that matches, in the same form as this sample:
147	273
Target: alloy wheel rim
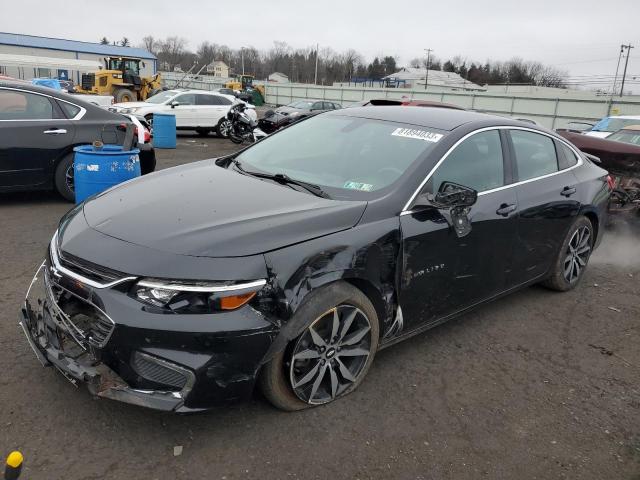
224	128
577	254
330	355
68	177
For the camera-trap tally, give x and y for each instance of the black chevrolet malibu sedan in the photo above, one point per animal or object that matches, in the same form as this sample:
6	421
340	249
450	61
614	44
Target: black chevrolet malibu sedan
291	263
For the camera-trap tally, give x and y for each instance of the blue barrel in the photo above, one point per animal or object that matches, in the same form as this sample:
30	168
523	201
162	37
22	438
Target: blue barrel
164	130
95	170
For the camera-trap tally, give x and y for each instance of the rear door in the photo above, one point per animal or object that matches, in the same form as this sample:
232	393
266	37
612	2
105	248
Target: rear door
547	198
34	133
443	273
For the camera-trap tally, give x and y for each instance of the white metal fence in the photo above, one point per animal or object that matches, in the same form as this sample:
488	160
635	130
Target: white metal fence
550	112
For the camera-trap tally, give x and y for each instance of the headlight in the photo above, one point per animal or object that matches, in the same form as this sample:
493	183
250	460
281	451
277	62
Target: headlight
195	297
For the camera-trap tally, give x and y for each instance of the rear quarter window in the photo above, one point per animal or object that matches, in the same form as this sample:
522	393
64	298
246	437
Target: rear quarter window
567	157
70	111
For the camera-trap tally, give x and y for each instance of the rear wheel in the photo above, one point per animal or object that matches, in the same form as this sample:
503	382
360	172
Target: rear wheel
223	127
63	178
573	256
331	356
122	95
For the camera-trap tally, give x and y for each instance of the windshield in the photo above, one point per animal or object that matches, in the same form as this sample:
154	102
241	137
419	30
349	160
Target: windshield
626	136
161	97
300	105
613	124
344	155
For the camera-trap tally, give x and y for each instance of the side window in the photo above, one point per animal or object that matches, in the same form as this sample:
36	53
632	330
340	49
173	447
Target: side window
186	99
69	110
567	158
477	163
317	106
17	105
535	154
223	101
206	100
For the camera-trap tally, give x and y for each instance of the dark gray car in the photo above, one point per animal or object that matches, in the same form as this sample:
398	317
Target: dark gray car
303	108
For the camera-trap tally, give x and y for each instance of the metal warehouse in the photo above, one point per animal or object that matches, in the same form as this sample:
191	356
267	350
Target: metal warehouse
28	56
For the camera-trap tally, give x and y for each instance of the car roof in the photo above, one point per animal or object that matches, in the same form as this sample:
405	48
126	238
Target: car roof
434	117
626	117
78	99
634	128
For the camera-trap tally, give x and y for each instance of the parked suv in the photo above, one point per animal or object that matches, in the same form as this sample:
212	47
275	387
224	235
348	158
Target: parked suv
194	109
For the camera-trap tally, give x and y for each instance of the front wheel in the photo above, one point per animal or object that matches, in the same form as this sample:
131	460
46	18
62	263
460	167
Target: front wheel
332	354
572	259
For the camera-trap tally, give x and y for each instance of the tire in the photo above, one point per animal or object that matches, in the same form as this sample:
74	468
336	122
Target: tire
203	132
572	259
235	138
122	95
222	129
282	379
63	178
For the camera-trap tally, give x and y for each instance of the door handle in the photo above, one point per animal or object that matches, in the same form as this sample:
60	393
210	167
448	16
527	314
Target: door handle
568	191
55	131
505	209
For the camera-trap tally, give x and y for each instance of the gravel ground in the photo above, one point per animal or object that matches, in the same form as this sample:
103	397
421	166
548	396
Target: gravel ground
536	385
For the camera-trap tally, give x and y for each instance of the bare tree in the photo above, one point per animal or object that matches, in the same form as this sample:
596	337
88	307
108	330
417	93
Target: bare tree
150	44
173	51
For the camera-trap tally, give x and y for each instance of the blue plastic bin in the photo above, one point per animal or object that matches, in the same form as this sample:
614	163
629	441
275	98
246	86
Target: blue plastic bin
47	82
96	170
164	130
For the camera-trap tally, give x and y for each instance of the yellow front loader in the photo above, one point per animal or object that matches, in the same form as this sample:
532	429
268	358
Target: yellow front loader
121	79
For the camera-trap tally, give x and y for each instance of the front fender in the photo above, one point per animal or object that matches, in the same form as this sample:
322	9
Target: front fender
365	256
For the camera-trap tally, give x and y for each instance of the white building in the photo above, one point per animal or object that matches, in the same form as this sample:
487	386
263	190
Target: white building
277	77
218	69
68	52
415	78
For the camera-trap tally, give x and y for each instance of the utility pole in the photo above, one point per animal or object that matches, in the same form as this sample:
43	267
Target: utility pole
315	78
426	78
624	73
615	79
242	57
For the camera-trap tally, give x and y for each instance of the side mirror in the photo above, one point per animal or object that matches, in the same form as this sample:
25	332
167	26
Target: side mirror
174	104
452	195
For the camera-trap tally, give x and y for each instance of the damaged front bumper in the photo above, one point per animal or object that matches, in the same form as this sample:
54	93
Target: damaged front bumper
134	362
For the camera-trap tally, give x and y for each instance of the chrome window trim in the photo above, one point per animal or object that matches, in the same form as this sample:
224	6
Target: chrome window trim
405	209
53	248
256	284
77	117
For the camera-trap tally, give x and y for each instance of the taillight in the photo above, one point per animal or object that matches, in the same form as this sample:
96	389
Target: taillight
147	136
611	182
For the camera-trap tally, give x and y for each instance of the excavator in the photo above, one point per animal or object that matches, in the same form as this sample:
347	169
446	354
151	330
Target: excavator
121	79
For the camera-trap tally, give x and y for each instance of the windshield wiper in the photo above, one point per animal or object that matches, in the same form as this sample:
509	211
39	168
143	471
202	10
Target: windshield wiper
284	179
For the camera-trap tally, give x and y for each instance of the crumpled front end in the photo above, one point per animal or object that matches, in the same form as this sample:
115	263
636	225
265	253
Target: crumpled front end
147	359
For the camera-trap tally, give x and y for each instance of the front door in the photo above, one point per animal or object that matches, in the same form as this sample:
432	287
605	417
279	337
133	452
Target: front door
33	134
443	272
185	111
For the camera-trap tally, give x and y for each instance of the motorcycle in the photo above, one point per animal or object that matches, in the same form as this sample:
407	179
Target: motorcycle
244	124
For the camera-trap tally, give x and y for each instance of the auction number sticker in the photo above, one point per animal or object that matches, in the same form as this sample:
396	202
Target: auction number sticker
417	134
365	187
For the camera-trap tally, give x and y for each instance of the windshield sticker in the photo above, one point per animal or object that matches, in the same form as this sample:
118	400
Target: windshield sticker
417	134
365	187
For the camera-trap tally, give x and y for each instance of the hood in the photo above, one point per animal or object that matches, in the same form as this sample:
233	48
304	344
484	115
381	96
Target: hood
132	104
288	110
203	210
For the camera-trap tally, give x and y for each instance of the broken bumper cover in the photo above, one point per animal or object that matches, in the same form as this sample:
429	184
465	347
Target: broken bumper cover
197	374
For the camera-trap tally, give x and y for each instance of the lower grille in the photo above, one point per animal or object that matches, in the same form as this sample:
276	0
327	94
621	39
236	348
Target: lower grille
159	371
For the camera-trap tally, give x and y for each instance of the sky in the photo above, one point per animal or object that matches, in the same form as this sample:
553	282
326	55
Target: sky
581	37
